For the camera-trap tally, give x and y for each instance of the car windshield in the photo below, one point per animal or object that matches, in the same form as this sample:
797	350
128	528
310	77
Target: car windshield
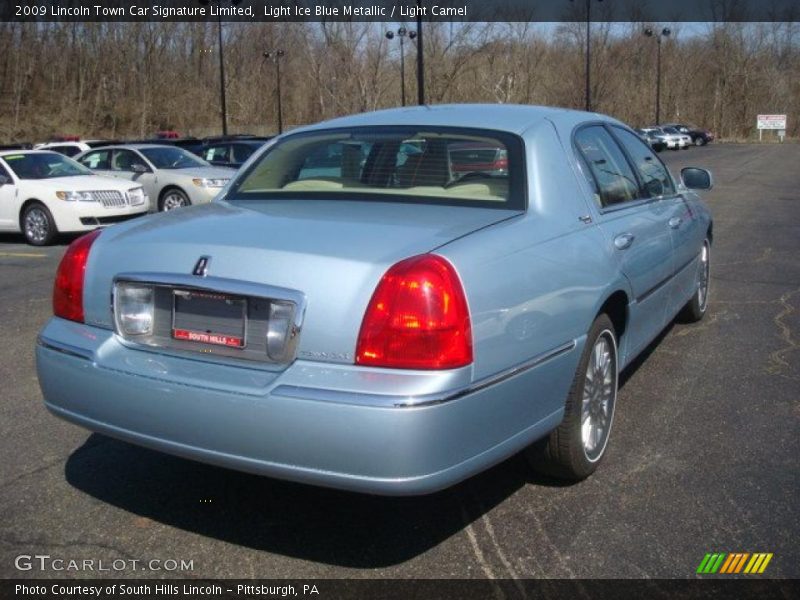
167	157
430	165
44	165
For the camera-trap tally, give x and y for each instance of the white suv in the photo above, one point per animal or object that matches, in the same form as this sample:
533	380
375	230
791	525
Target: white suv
43	194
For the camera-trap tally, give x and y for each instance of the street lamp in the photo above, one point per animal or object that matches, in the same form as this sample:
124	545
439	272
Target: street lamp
588	68
420	58
221	64
649	32
276	56
402	33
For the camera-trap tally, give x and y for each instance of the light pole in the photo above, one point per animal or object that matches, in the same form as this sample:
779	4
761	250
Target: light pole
276	56
649	32
221	65
402	33
420	58
588	68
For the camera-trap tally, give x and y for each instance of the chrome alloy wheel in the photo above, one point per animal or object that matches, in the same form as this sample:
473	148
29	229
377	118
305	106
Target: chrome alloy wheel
599	396
174	200
37	226
703	275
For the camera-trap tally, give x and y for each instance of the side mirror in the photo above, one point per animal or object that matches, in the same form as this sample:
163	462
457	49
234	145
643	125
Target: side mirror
697	179
139	168
4	179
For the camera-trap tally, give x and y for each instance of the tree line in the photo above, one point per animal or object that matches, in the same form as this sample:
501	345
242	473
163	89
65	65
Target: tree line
114	80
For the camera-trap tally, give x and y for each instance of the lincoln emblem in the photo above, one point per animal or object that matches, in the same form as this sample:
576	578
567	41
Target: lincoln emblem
201	268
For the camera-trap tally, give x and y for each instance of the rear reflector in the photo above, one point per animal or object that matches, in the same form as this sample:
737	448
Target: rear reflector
68	289
417	318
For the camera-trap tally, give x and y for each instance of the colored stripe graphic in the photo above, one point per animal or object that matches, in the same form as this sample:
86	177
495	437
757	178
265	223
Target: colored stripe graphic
731	560
741	562
711	563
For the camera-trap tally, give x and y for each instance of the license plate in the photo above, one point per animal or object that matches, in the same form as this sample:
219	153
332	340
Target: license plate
207	318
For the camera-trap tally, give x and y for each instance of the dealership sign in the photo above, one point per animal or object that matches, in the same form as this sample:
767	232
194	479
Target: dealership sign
771	121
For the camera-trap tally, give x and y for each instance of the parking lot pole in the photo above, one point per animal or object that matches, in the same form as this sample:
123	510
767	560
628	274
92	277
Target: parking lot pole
275	56
420	59
222	79
665	32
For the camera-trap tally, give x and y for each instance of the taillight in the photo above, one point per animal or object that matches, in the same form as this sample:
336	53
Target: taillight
68	289
501	164
417	318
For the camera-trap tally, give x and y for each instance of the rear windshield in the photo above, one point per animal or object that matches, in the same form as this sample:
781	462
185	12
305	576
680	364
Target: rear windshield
396	164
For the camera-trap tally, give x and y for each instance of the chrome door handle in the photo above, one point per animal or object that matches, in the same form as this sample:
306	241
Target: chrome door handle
624	241
675	222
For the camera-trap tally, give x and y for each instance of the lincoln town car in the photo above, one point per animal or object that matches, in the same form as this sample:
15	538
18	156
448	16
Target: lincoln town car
362	307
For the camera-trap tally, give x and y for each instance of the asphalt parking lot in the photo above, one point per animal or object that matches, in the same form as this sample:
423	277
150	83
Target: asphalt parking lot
703	457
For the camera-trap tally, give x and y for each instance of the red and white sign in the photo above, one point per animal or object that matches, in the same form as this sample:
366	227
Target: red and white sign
771	121
216	339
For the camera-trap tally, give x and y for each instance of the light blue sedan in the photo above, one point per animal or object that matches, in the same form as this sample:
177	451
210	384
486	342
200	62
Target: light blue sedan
352	311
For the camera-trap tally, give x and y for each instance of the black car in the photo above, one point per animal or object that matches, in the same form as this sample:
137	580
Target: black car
231	152
700	137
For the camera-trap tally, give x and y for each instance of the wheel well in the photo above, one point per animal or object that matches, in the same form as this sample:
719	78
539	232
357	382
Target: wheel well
25	205
616	307
710	233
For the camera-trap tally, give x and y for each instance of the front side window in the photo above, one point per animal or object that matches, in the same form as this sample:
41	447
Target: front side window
44	165
611	176
97	160
124	160
439	165
169	157
655	178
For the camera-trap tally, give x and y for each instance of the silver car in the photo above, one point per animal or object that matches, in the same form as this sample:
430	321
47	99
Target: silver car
172	177
360	310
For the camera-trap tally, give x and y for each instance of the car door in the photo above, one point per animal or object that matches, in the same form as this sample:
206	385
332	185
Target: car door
8	202
98	161
637	227
128	164
685	227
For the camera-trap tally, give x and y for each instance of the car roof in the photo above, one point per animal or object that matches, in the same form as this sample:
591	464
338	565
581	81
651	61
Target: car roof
511	118
14	152
133	146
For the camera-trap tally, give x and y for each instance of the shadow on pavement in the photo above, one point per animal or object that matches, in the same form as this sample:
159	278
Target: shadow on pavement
316	524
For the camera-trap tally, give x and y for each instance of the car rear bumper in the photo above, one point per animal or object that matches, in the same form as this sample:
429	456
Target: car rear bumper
251	420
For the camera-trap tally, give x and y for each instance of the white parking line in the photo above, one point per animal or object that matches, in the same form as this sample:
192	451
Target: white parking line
23	254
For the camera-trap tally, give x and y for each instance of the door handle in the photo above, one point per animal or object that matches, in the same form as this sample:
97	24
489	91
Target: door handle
623	241
675	222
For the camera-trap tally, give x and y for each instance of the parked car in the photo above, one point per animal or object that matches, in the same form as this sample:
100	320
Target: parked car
45	193
72	149
672	139
172	177
654	140
684	140
472	157
699	136
388	326
231	153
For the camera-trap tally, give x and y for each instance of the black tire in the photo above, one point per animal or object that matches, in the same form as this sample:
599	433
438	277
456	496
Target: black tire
696	308
38	225
563	454
700	141
173	198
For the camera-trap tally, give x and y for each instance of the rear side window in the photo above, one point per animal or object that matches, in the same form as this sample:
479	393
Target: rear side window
216	153
609	174
654	175
99	159
439	165
241	152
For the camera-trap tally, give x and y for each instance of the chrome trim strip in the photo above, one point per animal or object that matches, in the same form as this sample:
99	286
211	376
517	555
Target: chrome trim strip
397	401
67	349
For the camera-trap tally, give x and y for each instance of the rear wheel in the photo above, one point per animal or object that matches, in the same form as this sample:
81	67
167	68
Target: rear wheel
38	225
576	447
699	141
696	308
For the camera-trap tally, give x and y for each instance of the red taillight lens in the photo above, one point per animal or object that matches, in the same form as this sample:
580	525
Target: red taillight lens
501	164
417	318
68	289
